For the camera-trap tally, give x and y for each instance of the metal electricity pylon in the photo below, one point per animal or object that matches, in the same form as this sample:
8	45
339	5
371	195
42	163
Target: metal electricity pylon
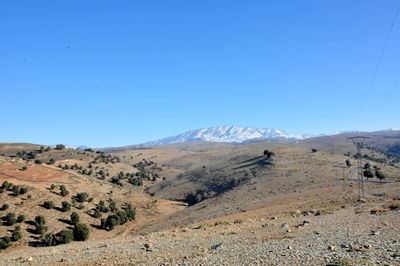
358	141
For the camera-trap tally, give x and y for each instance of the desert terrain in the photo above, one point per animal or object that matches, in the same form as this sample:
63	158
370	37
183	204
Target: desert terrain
196	203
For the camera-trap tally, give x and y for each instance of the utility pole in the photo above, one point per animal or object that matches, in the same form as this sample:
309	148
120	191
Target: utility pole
358	142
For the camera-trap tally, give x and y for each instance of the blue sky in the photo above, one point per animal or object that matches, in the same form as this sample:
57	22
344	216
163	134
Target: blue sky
109	73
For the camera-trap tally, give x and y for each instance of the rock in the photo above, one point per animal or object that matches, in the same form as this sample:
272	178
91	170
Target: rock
288	231
375	233
218	246
289	247
368	246
30	259
331	248
305	223
148	246
285	225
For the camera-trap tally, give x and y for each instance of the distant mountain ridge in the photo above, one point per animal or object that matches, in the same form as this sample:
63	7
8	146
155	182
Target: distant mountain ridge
230	134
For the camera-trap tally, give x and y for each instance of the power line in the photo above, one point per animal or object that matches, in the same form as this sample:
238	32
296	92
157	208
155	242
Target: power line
377	66
384	103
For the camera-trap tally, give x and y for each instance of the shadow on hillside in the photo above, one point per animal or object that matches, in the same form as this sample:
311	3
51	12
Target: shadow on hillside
30	223
65	221
35	244
262	162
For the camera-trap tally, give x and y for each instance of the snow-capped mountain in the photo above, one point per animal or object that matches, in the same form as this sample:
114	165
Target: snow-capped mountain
227	134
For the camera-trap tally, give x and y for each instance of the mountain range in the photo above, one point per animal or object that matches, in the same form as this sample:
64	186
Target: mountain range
230	134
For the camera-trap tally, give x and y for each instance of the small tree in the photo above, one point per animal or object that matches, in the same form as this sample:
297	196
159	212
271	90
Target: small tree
75	218
60	147
4	207
21	218
368	173
66	206
10	218
63	191
65	236
81	197
49	240
16	234
380	175
40	219
48	205
348	163
81	232
268	154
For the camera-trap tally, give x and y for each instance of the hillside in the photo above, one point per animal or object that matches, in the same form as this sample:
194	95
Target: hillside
190	198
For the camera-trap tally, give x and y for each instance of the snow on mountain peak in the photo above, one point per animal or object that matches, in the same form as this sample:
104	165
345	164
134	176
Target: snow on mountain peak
230	134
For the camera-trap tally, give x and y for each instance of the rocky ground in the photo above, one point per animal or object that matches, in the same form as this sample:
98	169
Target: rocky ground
349	235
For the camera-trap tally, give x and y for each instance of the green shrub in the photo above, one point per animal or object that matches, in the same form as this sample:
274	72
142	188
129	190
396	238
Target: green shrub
16	234
48	205
103	224
23	190
4	207
40	219
75	218
66	206
63	191
21	218
52	186
81	232
4	244
81	197
65	236
41	229
113	206
10	218
38	161
49	240
6	185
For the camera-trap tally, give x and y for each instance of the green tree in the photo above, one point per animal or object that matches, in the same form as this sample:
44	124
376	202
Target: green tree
81	232
75	218
66	206
65	237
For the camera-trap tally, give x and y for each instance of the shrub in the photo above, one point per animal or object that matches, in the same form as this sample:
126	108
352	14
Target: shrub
38	161
4	243
52	186
10	218
60	147
48	205
75	218
268	154
81	232
16	234
49	240
81	197
5	184
65	236
111	222
66	206
24	167
40	219
96	213
103	224
41	229
314	150
15	189
113	206
21	218
4	207
380	175
23	190
63	191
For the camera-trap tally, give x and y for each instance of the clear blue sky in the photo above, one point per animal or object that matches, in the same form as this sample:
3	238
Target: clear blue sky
109	73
